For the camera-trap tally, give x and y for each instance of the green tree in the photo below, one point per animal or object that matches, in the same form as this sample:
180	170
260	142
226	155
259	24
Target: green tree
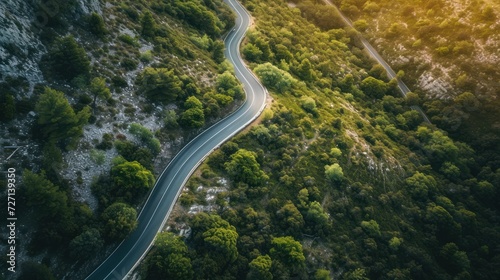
52	212
371	227
228	85
467	102
243	167
58	122
68	59
218	51
437	146
273	77
316	218
119	220
305	70
148	25
252	52
291	219
170	119
357	274
96	25
419	185
159	84
202	222
146	136
35	271
260	268
334	173
373	87
322	274
47	198
86	244
193	116
168	259
131	181
8	106
288	251
221	243
394	243
454	261
99	89
309	105
412	99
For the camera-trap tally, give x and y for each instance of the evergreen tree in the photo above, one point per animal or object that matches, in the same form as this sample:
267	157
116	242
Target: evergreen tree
68	59
58	121
148	25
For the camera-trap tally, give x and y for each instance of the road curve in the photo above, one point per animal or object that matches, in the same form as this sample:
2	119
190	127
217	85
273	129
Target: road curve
167	188
371	50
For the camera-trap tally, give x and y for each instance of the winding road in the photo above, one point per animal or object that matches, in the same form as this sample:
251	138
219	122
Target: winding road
162	198
371	50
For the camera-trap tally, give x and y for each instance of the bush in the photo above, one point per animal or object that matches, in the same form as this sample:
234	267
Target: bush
68	59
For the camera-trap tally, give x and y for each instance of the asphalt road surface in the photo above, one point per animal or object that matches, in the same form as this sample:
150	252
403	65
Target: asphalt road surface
401	85
167	188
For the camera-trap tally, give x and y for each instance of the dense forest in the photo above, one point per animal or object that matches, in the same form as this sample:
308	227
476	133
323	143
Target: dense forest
125	85
448	51
338	179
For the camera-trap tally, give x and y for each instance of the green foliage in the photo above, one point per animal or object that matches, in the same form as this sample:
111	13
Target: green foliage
260	268
309	105
356	274
96	25
305	71
168	259
420	185
99	89
119	220
171	119
221	242
200	17
437	146
252	52
218	51
325	17
159	84
274	78
148	25
394	243
68	59
146	136
35	271
43	195
131	181
228	85
133	41
371	227
288	251
322	274
54	213
334	173
7	104
317	218
454	260
132	152
97	156
193	116
58	122
146	56
243	167
291	219
86	244
373	87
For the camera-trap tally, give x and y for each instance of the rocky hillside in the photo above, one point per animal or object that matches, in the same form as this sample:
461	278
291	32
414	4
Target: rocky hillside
90	87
